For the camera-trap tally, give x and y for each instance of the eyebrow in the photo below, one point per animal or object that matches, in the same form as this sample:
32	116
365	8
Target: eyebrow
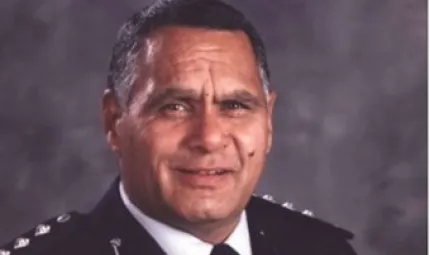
173	93
192	95
244	96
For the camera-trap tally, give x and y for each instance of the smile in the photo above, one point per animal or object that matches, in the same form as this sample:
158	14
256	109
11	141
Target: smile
205	172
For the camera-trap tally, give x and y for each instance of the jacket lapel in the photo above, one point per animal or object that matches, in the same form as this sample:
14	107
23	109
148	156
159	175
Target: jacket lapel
115	226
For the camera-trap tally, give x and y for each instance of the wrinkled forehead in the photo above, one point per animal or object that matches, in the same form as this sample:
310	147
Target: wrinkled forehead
173	53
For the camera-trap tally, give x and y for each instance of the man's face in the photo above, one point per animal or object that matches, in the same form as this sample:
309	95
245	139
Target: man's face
193	142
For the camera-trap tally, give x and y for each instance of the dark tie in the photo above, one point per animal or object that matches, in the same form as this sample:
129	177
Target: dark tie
223	249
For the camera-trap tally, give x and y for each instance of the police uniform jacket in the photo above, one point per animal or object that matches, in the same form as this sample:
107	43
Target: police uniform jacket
110	229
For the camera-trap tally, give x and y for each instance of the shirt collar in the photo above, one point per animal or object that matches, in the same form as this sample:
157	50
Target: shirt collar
177	242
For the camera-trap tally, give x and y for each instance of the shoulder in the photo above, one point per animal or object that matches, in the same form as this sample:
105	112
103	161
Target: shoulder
272	212
56	235
283	222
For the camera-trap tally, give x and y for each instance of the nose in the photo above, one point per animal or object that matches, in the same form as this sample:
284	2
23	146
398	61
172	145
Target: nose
206	133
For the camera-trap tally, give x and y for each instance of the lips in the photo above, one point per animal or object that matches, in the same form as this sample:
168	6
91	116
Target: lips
205	178
208	172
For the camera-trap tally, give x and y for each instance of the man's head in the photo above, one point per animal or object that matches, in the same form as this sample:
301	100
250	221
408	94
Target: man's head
189	112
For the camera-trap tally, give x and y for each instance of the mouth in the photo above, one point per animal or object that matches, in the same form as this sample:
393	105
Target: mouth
205	172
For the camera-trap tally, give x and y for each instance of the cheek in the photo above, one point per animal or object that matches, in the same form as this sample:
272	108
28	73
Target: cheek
161	141
152	148
158	135
251	140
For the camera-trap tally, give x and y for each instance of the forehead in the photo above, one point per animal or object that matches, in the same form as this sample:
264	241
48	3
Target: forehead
172	53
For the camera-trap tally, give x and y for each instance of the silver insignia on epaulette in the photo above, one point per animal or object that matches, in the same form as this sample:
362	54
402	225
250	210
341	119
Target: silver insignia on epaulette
288	205
63	218
268	198
308	213
21	243
42	229
116	243
4	252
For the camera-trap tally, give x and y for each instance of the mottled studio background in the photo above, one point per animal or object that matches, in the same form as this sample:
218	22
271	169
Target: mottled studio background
350	120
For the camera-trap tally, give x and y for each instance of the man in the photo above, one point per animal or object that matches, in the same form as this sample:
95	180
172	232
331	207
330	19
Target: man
188	111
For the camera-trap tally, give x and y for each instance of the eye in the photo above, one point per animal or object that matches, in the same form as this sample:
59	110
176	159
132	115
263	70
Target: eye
233	105
173	107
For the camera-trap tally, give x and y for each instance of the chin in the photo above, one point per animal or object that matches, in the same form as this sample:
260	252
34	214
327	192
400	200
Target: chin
206	216
207	211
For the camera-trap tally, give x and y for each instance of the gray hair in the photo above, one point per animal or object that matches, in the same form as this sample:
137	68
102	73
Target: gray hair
123	70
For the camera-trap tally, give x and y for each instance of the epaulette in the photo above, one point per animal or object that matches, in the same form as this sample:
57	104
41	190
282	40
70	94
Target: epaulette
44	236
304	218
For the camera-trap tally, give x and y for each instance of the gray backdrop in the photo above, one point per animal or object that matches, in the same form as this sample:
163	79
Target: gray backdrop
350	140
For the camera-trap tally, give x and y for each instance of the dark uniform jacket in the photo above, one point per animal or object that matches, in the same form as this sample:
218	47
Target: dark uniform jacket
111	230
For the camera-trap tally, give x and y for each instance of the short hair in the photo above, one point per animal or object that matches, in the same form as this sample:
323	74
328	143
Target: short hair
210	14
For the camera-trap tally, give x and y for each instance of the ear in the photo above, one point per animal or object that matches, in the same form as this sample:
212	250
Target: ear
270	106
112	112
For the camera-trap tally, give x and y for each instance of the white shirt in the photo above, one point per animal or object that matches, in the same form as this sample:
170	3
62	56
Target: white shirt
177	242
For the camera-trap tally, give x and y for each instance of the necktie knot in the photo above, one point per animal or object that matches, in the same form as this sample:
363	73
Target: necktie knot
223	249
